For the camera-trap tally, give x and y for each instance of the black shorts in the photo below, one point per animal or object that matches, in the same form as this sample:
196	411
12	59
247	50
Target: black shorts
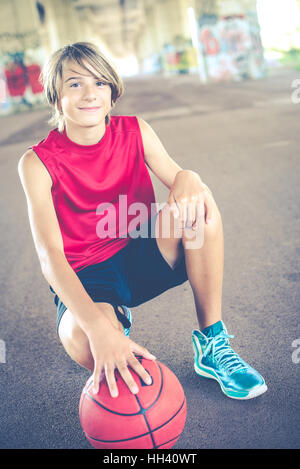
132	276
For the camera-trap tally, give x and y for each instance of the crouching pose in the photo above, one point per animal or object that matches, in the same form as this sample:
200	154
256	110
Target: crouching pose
84	185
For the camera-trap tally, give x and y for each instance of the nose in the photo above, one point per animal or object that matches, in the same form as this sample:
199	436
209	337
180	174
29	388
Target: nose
89	93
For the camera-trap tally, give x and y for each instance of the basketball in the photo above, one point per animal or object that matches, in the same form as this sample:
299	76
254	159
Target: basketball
153	418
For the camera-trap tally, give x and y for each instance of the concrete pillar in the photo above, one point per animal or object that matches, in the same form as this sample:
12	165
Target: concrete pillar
165	43
18	27
61	25
21	56
230	36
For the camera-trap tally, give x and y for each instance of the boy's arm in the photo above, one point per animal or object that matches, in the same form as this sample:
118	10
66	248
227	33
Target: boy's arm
48	242
109	347
156	156
186	186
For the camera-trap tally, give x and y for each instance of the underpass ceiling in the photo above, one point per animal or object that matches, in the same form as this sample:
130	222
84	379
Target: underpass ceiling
117	22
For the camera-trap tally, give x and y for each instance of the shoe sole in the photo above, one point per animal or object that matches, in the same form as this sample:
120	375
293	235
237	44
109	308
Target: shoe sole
229	393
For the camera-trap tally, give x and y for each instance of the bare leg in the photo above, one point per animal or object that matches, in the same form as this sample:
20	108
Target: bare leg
204	265
205	273
75	340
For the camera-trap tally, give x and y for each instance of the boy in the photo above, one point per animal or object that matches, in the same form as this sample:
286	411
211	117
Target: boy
83	183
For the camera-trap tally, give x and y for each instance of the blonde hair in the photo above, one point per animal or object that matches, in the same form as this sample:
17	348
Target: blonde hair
79	52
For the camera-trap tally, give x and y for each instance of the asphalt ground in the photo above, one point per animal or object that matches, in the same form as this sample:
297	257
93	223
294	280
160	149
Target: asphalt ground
243	139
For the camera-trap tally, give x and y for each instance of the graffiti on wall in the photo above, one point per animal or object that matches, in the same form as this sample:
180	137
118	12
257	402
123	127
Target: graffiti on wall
20	87
174	58
152	64
179	56
179	60
231	46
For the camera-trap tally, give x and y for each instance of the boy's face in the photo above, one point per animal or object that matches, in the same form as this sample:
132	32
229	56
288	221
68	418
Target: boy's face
84	99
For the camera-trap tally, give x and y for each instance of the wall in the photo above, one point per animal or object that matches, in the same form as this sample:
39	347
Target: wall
231	46
230	40
165	43
21	57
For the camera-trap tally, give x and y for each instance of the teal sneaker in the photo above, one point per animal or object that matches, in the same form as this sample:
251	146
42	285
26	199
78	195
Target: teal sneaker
128	315
214	358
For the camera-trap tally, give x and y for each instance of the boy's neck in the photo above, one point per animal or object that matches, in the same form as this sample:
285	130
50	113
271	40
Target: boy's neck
85	135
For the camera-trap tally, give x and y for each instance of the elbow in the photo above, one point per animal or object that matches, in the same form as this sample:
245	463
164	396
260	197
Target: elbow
46	258
45	264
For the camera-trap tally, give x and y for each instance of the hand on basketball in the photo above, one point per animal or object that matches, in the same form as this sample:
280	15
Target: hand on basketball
111	350
190	199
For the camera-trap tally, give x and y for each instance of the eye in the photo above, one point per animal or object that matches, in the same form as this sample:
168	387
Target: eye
74	85
100	83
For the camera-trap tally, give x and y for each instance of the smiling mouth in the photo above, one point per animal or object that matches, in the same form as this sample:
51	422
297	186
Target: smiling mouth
89	109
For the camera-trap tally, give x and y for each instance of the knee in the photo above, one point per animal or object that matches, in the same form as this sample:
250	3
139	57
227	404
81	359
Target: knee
214	229
75	341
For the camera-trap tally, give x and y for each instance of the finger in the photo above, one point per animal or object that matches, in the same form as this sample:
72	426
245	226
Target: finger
191	214
139	350
182	212
127	377
173	206
174	209
199	215
208	210
97	375
111	380
140	370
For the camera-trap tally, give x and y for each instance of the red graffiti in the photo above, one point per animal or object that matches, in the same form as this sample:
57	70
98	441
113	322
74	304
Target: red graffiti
210	42
16	82
19	77
173	58
33	72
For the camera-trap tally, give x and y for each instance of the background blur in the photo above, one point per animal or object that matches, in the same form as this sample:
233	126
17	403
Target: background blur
216	39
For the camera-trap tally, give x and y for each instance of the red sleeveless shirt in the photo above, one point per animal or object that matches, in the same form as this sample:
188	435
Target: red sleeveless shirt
102	193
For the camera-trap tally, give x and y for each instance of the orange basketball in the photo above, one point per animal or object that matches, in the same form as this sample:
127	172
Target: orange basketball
153	418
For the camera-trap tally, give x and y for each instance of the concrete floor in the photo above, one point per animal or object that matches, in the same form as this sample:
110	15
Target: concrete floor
243	139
